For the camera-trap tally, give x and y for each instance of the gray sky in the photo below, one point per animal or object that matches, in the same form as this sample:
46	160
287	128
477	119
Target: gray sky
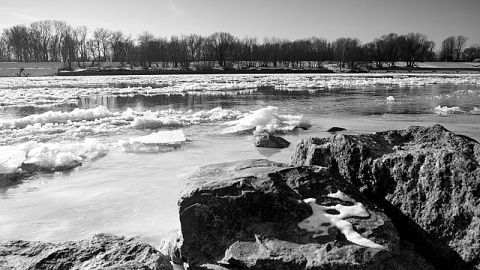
293	19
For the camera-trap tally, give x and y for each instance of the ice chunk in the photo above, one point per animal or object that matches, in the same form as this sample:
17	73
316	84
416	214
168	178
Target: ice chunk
266	120
162	141
57	117
447	110
321	220
390	99
53	157
11	158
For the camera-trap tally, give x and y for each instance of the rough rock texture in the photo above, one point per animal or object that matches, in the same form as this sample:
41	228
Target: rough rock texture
246	215
171	245
271	141
103	251
426	178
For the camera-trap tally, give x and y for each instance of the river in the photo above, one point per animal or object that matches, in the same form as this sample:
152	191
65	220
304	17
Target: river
133	191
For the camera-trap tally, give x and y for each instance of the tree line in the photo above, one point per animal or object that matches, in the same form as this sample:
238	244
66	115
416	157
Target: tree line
57	41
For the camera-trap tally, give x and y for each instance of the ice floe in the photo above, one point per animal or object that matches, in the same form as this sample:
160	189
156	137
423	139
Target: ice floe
447	110
49	156
82	123
266	120
161	141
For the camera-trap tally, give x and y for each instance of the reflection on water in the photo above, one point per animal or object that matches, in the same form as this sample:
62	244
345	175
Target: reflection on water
357	101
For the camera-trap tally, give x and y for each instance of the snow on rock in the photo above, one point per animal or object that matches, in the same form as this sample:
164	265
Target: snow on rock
266	120
321	220
161	141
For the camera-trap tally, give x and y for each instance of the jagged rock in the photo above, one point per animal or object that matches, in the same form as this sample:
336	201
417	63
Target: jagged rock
252	215
103	251
271	141
426	178
171	245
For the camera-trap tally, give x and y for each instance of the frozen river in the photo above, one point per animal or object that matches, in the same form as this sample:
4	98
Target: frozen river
128	185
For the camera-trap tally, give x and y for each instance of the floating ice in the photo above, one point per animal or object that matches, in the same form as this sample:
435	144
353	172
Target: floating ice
161	141
11	158
52	91
57	117
447	110
320	220
50	156
100	121
390	99
266	120
173	118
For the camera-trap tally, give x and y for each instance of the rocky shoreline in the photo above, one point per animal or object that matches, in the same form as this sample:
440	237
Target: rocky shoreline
399	199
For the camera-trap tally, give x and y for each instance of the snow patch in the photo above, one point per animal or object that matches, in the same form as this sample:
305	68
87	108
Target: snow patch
321	220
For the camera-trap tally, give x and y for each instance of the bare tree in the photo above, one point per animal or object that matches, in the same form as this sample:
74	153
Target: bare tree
80	35
221	43
447	51
42	31
68	48
194	46
101	41
414	47
460	42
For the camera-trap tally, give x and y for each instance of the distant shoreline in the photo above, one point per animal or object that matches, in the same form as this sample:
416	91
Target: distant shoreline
40	69
266	71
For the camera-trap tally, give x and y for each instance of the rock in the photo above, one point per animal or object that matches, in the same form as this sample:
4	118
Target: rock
257	214
426	178
336	129
171	245
103	251
271	141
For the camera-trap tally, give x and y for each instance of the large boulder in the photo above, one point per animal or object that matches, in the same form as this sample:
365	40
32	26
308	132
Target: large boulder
103	251
258	214
426	178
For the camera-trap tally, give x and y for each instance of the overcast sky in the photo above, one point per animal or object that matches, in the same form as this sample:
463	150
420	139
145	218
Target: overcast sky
293	19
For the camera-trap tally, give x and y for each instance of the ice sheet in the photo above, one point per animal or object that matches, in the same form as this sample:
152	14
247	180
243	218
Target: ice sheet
162	141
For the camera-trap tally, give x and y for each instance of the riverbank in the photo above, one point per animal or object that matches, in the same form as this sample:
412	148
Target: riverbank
40	69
